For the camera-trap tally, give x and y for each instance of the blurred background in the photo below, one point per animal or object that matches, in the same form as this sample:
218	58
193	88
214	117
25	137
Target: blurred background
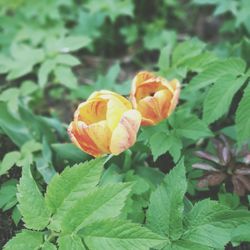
54	53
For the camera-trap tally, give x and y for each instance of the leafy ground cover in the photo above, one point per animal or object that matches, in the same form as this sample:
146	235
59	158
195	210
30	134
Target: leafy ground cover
184	184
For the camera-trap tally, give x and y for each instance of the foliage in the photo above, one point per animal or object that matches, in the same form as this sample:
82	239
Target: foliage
53	55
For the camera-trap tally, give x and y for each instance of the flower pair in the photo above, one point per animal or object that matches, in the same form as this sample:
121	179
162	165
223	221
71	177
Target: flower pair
108	123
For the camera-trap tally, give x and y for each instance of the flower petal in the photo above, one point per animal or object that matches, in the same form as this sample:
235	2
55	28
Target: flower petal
81	139
124	135
91	111
177	88
115	110
101	135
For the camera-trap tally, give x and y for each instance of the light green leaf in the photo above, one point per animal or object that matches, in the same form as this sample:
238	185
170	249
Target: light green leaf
213	71
102	203
8	161
65	76
220	95
45	69
122	235
188	245
166	207
74	182
28	87
243	117
26	240
48	246
241	233
67	59
31	202
189	125
72	242
211	224
73	43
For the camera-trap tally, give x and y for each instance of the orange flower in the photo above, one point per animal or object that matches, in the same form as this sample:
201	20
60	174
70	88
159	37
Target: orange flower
104	124
154	97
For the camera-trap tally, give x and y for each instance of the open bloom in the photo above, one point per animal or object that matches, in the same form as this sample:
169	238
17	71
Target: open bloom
105	123
154	97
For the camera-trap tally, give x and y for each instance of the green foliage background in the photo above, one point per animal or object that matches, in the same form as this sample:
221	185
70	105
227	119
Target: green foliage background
53	55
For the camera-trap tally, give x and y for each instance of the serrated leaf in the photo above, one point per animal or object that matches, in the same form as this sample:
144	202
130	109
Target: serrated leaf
31	202
166	207
119	234
243	117
220	95
26	240
8	161
74	182
241	233
48	246
211	224
215	70
189	125
102	203
72	242
65	76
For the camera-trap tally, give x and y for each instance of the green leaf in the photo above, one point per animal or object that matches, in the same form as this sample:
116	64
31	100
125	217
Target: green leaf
118	234
188	245
211	224
9	161
189	125
67	59
26	240
12	127
66	77
31	202
28	87
241	233
48	246
194	47
159	144
220	96
166	207
65	189
215	70
71	241
102	203
73	43
8	194
45	69
243	117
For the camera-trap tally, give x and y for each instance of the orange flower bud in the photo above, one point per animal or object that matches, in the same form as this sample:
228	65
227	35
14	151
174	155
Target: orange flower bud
154	97
104	124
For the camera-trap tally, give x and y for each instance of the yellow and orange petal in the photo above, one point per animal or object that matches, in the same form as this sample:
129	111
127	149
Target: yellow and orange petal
124	135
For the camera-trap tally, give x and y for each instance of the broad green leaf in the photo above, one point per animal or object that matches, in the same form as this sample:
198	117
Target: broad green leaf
65	76
102	203
213	71
72	242
9	161
241	233
211	224
118	234
243	117
8	192
73	43
26	240
45	69
187	245
48	246
28	87
31	202
159	144
166	207
186	50
220	96
74	182
67	59
12	127
189	125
